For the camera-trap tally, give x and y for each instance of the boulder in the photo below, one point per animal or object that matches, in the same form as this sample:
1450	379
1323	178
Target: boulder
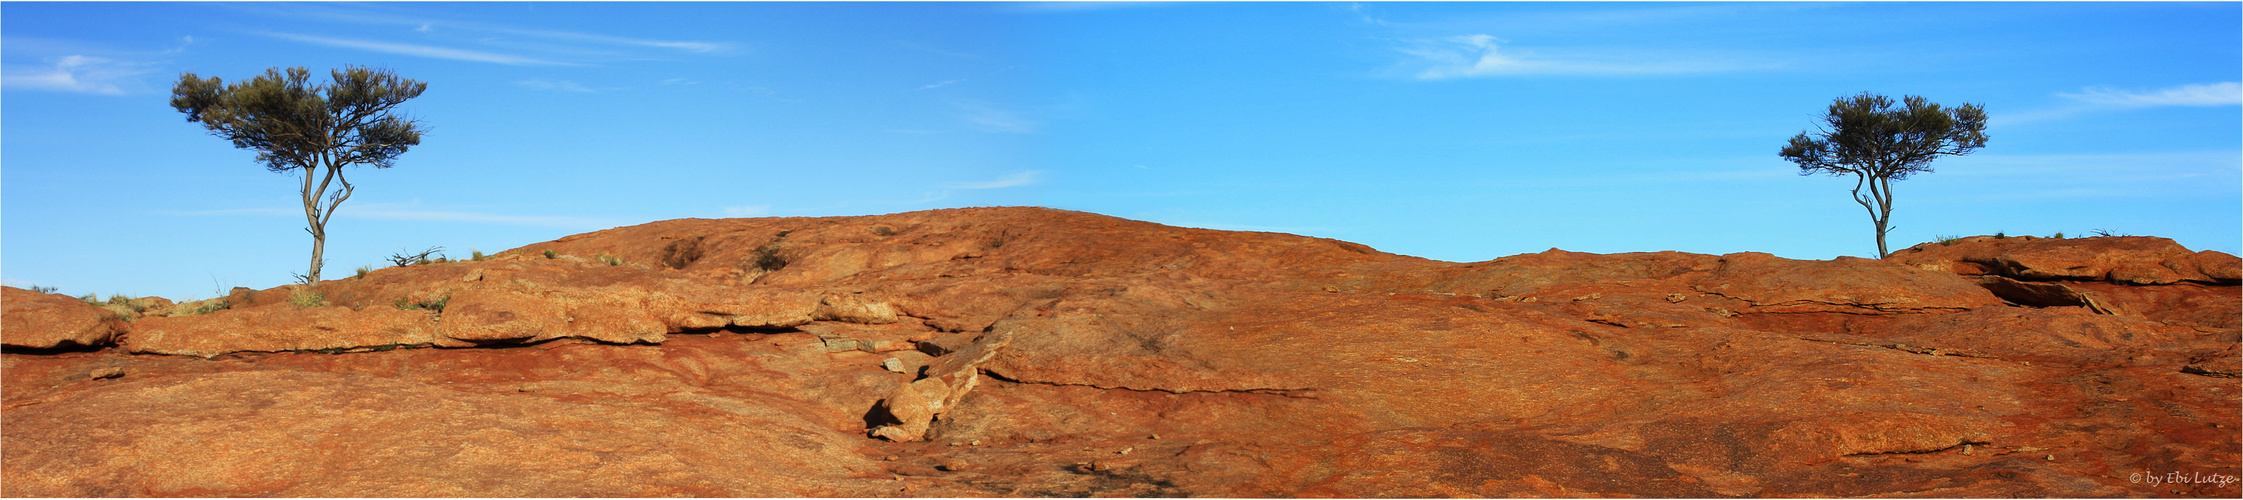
46	321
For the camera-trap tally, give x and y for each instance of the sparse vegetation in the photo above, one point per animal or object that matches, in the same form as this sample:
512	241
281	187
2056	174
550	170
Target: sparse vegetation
550	255
883	231
609	259
1946	239
2106	233
476	254
2059	235
436	304
307	297
205	307
767	258
362	270
402	259
681	253
43	289
2000	236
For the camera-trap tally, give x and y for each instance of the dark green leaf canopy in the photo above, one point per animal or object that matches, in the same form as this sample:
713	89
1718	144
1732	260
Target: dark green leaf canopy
292	123
1866	135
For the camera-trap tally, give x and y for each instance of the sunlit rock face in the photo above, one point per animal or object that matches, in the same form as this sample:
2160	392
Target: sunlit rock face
1036	352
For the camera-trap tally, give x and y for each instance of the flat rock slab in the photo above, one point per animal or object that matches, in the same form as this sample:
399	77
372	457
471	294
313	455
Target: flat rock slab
1049	353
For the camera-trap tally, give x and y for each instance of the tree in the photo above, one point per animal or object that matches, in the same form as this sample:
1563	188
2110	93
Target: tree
1867	137
319	129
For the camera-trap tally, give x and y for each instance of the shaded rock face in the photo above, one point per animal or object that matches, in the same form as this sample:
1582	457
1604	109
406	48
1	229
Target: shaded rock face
1034	352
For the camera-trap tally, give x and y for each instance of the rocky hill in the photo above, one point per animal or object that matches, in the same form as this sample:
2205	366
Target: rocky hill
1036	352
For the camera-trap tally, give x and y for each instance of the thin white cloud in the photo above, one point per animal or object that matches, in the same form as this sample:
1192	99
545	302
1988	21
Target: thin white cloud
681	45
385	212
469	30
748	211
2105	99
233	211
2195	94
1077	6
984	117
75	73
1474	56
1015	179
944	83
418	50
558	221
560	86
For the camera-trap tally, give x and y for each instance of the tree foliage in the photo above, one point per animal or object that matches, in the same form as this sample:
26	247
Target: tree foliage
1867	137
294	124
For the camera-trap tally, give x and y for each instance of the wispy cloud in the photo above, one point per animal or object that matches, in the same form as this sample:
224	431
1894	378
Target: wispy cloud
63	65
1064	7
74	73
1015	179
418	50
2096	99
2195	94
558	86
594	38
393	212
940	84
559	221
548	46
985	117
1473	56
2145	175
748	211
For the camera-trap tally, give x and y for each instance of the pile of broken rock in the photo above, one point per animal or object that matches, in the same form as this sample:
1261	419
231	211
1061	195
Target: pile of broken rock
1036	352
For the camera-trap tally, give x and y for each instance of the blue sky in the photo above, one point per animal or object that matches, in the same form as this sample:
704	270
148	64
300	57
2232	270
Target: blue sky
1453	131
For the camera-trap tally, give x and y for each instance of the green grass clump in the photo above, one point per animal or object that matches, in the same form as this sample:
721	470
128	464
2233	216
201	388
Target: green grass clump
206	308
478	254
609	259
550	255
307	297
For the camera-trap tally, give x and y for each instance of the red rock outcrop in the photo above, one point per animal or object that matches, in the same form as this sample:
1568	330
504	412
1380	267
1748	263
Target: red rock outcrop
36	320
2137	260
1035	352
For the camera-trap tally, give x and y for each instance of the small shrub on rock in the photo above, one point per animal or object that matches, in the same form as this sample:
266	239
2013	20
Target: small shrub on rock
402	259
307	297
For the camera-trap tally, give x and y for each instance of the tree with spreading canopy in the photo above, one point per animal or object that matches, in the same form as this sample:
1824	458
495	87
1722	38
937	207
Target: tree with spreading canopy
1866	137
317	128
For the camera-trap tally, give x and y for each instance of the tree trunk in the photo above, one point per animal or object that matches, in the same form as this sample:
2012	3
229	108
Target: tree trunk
319	246
1881	225
1884	210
